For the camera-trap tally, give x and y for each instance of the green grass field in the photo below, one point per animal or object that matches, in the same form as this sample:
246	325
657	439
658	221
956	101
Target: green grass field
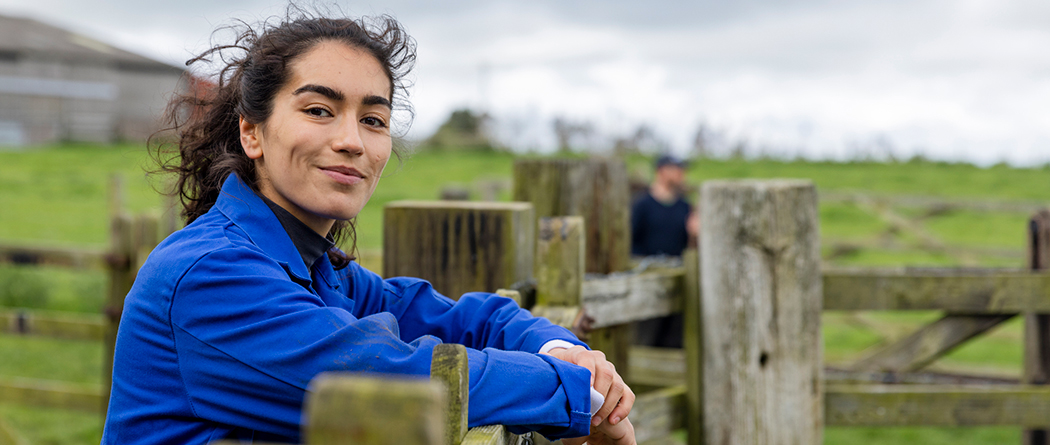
58	196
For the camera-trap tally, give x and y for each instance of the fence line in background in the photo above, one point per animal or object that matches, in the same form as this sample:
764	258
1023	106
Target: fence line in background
131	240
762	299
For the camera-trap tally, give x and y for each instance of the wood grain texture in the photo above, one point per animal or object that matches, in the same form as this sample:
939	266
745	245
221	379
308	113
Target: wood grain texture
657	414
64	325
693	343
761	297
929	343
486	435
449	366
497	435
627	297
656	366
595	189
459	246
937	405
564	316
345	408
560	254
959	291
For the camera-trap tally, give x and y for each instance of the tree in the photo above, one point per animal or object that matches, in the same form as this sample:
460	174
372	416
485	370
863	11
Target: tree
463	130
570	133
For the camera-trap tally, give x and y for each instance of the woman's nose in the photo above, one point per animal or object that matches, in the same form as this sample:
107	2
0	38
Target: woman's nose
349	139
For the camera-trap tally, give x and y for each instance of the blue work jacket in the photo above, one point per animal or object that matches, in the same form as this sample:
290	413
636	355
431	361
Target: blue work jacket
225	326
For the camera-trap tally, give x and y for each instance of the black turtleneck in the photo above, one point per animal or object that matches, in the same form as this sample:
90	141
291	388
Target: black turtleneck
310	245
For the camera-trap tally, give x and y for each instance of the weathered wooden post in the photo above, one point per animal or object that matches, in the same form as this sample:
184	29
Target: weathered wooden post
459	246
343	408
449	366
595	189
559	269
761	297
693	344
1037	326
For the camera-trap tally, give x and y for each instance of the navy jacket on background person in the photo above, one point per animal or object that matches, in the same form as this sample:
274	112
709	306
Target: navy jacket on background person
225	327
658	228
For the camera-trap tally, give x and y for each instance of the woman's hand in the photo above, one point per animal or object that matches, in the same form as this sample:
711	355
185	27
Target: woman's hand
607	434
610	422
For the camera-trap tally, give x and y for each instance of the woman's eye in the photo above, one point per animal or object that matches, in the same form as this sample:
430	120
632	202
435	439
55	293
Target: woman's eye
318	112
373	121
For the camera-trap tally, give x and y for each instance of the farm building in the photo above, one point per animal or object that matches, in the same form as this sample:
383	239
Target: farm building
56	85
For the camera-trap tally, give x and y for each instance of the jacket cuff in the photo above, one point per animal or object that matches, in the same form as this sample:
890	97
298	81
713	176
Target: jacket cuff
555	344
576	382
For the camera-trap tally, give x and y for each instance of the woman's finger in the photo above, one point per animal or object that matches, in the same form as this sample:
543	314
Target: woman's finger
624	407
619	434
612	400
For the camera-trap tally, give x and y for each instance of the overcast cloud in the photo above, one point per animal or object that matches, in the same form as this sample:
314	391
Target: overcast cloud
959	80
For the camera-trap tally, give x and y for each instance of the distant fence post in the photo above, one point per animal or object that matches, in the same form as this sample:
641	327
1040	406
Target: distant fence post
595	189
119	259
459	246
761	297
131	241
1037	326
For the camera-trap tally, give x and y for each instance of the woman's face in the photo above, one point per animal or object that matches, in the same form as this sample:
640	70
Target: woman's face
322	150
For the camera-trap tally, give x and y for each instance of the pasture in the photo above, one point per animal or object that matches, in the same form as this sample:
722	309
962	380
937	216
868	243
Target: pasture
914	213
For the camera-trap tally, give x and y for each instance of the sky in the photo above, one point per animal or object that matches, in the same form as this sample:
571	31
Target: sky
959	80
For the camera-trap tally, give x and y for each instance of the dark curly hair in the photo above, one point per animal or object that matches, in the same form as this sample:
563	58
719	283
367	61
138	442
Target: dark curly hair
253	68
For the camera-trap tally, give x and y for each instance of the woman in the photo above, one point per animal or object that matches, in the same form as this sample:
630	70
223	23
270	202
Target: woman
231	317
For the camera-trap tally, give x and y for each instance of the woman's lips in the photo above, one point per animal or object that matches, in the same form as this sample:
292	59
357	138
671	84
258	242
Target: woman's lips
343	175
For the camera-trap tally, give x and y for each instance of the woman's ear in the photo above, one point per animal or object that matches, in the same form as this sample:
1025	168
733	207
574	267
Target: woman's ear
250	139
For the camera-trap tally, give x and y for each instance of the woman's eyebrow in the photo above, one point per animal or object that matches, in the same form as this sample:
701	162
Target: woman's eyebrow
377	100
322	90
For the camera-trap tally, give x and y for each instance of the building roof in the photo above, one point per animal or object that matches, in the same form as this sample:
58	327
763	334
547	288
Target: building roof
22	37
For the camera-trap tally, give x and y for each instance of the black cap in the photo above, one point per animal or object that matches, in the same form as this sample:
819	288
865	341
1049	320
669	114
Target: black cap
665	160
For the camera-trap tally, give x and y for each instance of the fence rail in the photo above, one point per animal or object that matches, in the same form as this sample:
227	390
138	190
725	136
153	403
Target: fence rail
952	290
51	394
937	405
64	325
68	257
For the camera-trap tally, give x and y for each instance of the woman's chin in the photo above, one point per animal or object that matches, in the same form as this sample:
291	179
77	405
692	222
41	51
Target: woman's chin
341	215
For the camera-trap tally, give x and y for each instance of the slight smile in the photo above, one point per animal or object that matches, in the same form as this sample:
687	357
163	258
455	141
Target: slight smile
344	175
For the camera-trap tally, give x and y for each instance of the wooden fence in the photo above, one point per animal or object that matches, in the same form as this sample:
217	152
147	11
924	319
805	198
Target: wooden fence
751	370
131	240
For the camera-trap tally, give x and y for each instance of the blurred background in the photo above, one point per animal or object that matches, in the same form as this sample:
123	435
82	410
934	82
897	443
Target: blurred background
923	123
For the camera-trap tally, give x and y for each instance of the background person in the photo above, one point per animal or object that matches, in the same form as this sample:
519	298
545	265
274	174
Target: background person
662	223
231	317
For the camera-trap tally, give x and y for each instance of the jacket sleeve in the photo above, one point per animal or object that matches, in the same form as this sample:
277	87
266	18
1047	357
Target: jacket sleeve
249	341
478	320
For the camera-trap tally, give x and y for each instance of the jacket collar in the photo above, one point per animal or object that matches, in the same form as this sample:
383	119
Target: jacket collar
243	207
